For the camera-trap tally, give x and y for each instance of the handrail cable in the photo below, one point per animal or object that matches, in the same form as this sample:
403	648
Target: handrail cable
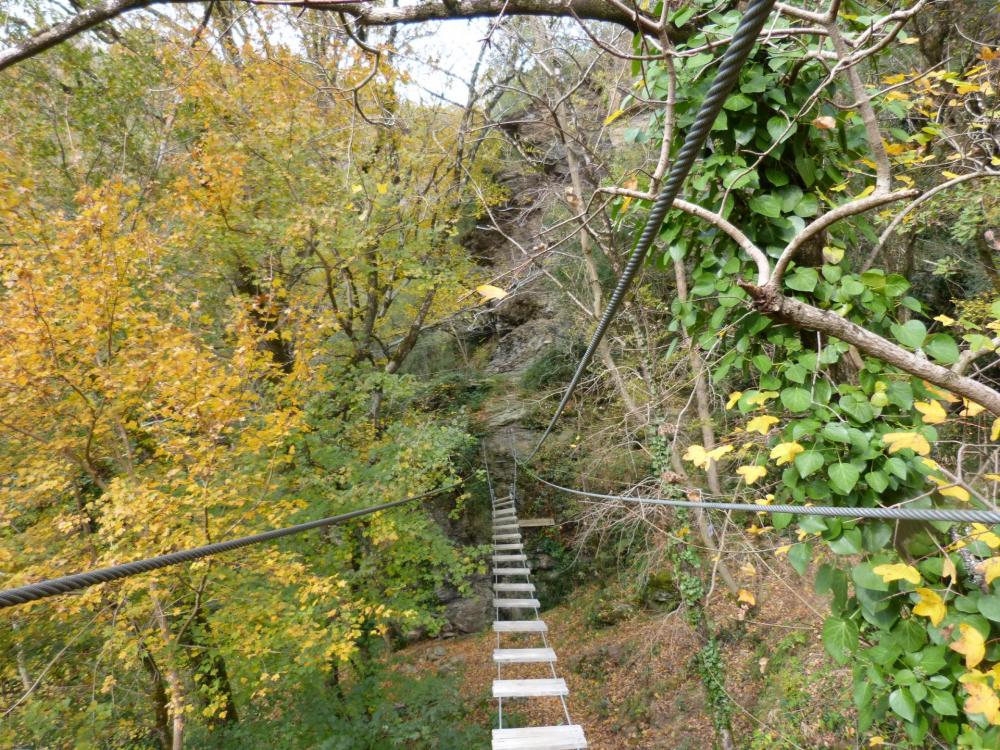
953	515
725	78
77	581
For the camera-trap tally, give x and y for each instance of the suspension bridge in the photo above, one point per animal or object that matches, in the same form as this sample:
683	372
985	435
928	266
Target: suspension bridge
522	640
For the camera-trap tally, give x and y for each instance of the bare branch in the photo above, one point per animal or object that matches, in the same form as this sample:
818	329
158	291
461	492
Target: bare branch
363	13
887	232
831	217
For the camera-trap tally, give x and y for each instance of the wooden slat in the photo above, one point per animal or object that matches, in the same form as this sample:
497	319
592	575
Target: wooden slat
512	571
516	604
509	558
513	587
566	737
523	655
520	626
505	547
529	688
531	523
505	528
507	537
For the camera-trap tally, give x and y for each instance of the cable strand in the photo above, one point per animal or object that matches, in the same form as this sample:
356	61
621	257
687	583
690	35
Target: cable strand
65	584
725	78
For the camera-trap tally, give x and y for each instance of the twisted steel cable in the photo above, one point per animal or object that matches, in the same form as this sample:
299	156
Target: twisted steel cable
725	78
54	587
895	513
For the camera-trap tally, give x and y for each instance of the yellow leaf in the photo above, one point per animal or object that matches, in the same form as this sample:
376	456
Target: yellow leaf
982	700
991	569
898	441
876	741
488	291
959	493
933	412
613	116
782	550
995	431
931	605
382	188
972	645
751	473
716	453
748	570
746	596
897	572
941	394
759	399
944	320
910	40
992	477
971	409
356	188
982	534
733	398
786	452
697	455
948	570
948	175
761	424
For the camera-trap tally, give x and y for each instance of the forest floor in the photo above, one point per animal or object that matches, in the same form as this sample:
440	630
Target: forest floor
634	684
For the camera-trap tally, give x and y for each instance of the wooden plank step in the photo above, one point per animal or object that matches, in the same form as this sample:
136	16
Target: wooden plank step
523	655
531	523
509	558
566	737
512	571
508	537
516	604
520	626
513	587
498	517
506	547
529	688
505	528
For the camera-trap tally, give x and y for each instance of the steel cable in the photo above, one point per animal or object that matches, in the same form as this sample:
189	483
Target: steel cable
896	513
725	78
77	581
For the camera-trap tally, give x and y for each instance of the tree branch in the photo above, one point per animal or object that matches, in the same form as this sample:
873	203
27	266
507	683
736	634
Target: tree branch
851	208
363	13
768	301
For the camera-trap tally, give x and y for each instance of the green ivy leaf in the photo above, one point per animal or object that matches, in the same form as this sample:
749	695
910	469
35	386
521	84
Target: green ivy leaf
843	477
799	556
808	462
766	205
903	704
989	607
943	348
803	279
911	334
840	637
796	399
943	703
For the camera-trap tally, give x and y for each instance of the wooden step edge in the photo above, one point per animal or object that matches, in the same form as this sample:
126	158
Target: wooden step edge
565	737
529	688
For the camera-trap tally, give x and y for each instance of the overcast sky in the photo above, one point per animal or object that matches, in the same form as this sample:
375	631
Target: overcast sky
454	47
